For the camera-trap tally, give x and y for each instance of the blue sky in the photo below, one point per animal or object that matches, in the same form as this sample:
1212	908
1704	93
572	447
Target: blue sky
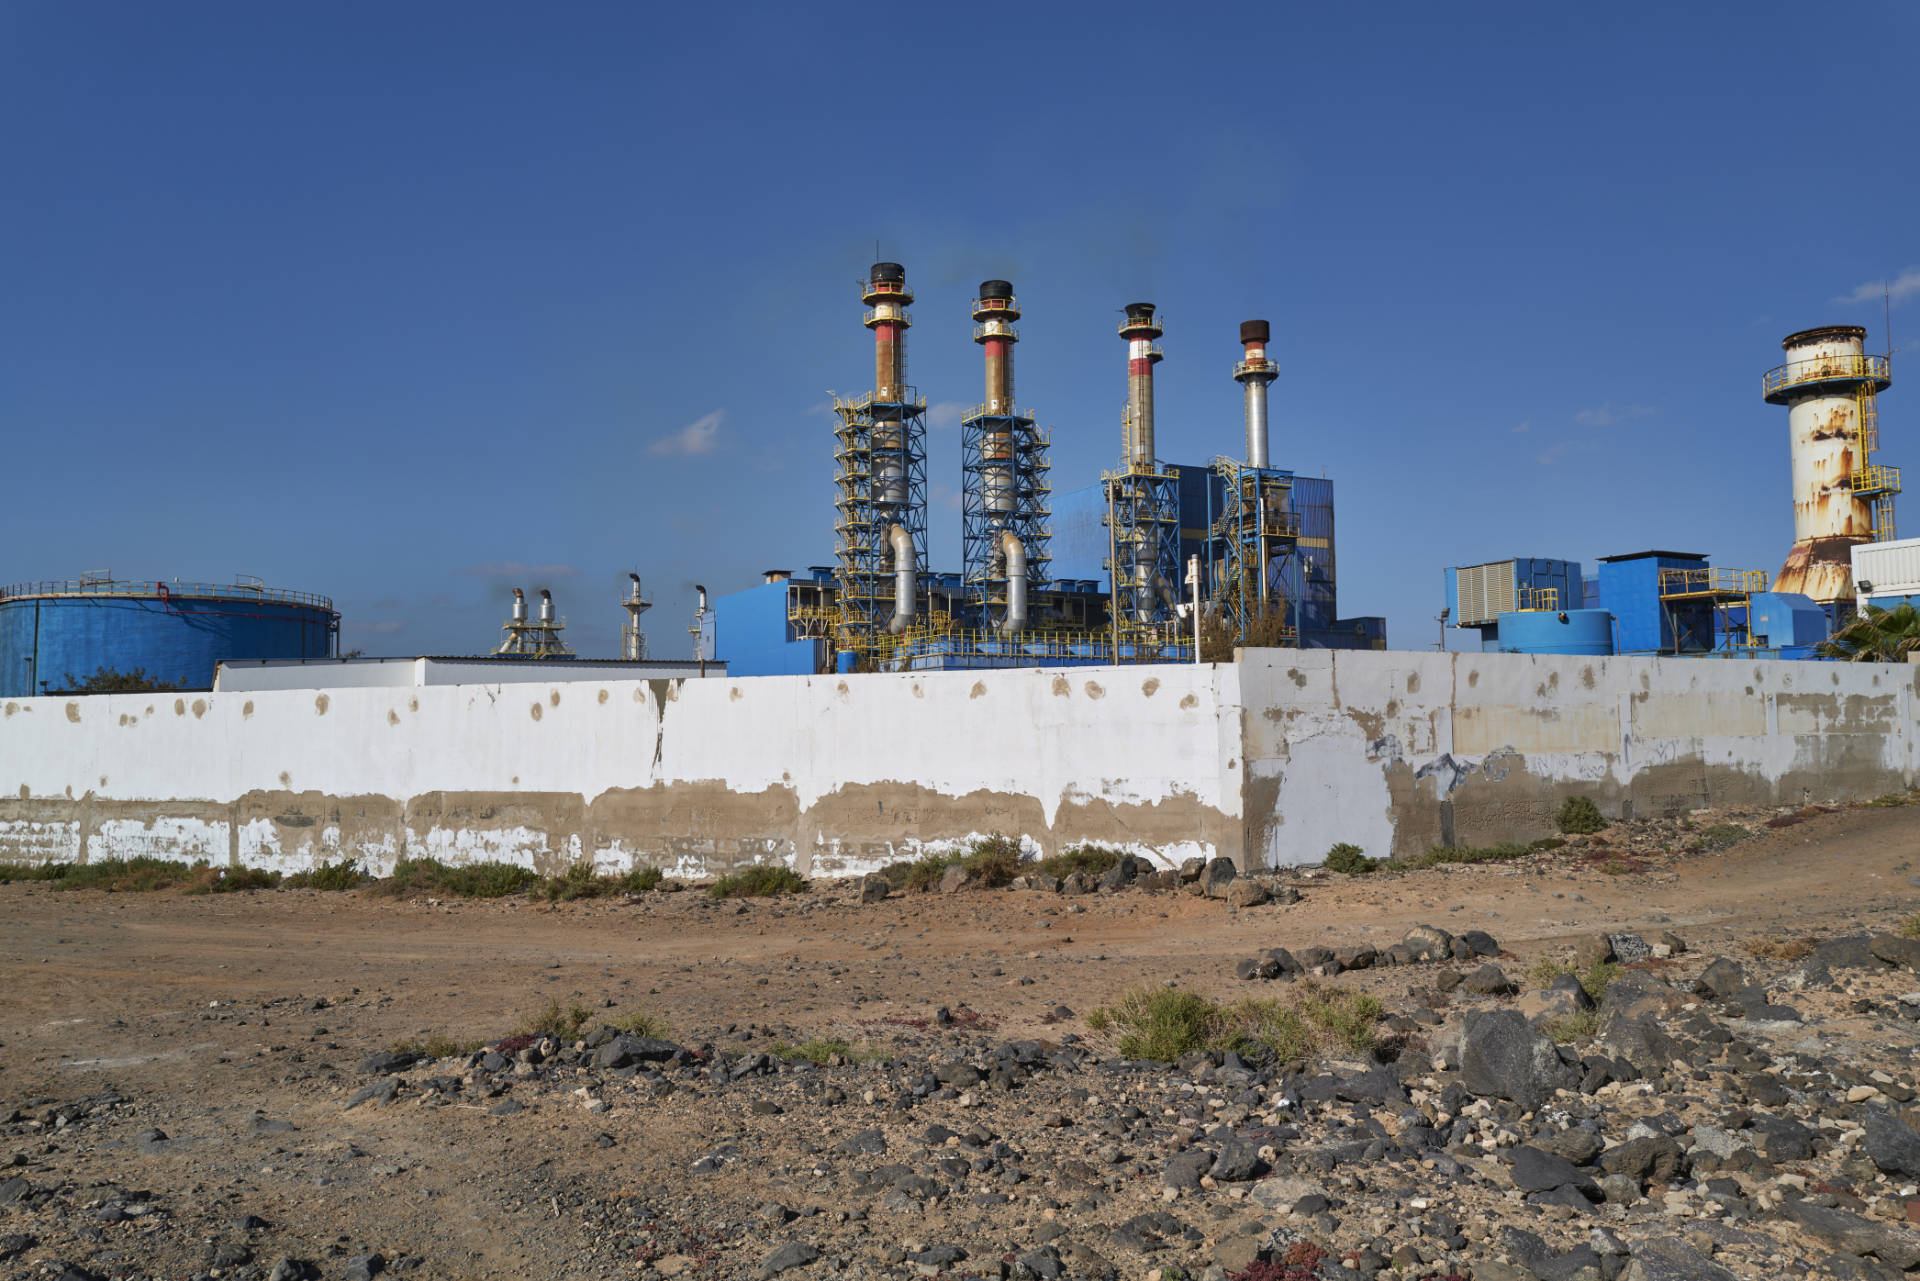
410	303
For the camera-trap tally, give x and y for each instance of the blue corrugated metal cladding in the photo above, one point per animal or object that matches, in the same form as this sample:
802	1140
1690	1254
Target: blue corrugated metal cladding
49	644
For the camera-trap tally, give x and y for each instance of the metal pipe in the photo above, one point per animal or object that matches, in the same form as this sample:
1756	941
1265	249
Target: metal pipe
519	606
1140	329
906	578
1015	554
546	605
1254	372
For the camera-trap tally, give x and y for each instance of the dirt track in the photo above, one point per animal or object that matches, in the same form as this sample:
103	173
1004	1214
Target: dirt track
203	1012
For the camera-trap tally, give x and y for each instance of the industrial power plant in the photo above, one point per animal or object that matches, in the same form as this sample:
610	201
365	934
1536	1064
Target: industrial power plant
1844	557
1150	562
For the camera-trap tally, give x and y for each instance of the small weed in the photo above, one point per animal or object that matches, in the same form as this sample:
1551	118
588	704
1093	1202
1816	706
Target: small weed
640	1023
1574	1027
1093	860
561	1022
762	880
823	1049
328	876
1615	865
469	880
1164	1023
919	874
231	880
1598	978
1579	816
1350	860
1468	854
1782	949
993	861
436	1045
1910	928
1895	799
642	880
1099	1020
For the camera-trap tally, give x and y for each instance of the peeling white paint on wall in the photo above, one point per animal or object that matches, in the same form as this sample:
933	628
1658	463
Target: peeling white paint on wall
1270	760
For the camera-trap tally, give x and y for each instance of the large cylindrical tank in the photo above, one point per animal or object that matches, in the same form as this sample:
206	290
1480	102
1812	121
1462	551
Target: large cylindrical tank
55	635
1543	631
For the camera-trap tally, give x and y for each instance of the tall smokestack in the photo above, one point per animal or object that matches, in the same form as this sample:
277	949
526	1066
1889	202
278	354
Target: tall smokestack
1140	329
1254	372
1840	496
889	298
994	312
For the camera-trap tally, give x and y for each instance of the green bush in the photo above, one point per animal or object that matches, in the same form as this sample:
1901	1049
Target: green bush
1348	859
1469	854
139	874
1574	1027
10	872
1598	978
820	1049
1721	835
1162	1024
993	861
344	875
469	880
561	1022
1093	860
229	880
1579	816
1910	927
642	879
762	880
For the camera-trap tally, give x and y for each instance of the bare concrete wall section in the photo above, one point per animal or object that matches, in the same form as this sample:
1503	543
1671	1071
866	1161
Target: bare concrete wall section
1399	752
830	774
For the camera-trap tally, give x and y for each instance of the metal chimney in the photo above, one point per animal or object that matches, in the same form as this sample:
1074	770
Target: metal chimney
1254	372
1143	353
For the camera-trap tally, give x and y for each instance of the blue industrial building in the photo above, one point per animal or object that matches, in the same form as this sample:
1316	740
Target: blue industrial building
1651	602
55	635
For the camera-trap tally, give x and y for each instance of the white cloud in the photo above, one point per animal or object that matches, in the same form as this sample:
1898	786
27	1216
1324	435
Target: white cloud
1552	454
698	437
1902	287
946	413
1606	415
1526	425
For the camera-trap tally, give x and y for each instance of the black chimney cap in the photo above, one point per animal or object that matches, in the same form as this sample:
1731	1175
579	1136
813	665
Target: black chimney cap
1139	311
889	272
996	289
1255	331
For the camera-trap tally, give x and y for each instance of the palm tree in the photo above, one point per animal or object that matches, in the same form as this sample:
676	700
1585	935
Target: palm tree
1877	636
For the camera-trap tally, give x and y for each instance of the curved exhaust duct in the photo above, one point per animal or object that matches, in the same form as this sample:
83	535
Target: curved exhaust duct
906	578
1015	553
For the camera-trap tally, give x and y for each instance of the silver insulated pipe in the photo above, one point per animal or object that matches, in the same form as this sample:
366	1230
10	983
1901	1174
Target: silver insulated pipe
906	579
1014	553
1254	372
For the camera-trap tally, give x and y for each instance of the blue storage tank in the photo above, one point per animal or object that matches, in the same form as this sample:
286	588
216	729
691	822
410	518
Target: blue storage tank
54	635
1545	631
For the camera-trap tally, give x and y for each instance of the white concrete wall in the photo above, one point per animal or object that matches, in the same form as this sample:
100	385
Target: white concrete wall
1397	752
1271	760
846	772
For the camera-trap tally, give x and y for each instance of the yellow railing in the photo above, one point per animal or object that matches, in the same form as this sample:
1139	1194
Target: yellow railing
1875	478
1254	367
1712	581
1537	598
981	411
1826	369
854	404
1004	330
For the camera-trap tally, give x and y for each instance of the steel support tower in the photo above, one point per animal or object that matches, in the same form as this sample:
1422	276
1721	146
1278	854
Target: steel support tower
1255	538
1143	508
1004	492
880	459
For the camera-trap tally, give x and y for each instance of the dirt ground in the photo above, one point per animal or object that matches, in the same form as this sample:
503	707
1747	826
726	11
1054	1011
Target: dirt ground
205	1017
